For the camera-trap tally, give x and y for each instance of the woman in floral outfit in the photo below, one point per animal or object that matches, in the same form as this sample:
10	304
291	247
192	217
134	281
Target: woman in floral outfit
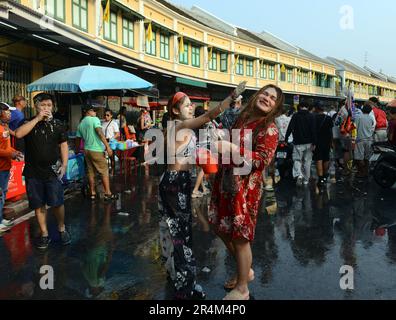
175	194
236	198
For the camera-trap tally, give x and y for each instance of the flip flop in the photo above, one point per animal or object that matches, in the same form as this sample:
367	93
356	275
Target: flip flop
236	295
230	284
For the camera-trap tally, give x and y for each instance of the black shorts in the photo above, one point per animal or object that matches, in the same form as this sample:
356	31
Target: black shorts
321	153
44	192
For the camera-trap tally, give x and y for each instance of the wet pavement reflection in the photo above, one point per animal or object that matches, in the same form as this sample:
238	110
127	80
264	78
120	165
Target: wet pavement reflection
301	243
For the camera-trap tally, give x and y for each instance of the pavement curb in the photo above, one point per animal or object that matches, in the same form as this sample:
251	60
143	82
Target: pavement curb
20	208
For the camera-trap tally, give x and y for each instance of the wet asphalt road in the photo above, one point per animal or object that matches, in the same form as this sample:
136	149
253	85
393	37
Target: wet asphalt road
297	253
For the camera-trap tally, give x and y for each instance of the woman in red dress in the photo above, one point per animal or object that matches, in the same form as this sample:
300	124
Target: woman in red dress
236	198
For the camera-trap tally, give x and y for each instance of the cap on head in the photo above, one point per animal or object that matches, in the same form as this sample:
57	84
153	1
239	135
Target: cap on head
6	106
87	108
375	100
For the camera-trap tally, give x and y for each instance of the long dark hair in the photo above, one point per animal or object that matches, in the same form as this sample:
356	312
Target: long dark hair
269	118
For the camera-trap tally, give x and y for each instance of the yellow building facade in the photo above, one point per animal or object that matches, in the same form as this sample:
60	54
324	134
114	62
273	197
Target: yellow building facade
160	38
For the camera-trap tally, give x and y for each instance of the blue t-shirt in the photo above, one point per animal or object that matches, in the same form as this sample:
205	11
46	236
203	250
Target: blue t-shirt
17	118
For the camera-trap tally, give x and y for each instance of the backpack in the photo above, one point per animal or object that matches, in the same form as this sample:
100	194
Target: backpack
380	118
346	126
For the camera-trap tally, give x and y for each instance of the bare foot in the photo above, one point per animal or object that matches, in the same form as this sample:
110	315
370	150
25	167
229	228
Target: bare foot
231	283
235	294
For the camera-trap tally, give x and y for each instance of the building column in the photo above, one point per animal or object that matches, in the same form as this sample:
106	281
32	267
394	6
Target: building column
295	74
98	19
206	56
257	63
142	33
232	63
310	78
277	70
38	5
142	38
175	48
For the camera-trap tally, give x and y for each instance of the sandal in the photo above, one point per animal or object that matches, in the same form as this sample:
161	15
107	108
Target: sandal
93	197
230	284
236	295
109	197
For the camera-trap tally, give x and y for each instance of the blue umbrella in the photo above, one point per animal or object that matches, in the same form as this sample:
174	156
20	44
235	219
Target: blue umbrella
88	78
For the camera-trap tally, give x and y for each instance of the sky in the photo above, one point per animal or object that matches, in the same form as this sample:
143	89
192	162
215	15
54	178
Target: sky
356	30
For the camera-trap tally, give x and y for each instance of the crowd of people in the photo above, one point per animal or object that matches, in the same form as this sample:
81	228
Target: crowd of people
42	143
344	136
314	132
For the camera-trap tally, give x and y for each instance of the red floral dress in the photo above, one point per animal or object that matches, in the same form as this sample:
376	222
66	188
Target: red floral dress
235	199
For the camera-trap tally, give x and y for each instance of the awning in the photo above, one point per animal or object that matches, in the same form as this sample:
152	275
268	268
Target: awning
153	104
126	11
190	82
199	98
193	41
157	26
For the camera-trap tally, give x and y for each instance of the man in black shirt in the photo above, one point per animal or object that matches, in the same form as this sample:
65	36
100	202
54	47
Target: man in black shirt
45	144
302	126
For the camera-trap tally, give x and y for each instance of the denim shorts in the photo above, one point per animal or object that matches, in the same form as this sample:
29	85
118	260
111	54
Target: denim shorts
44	192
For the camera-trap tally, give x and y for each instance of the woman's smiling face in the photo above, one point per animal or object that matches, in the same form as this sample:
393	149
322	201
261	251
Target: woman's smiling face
266	101
186	109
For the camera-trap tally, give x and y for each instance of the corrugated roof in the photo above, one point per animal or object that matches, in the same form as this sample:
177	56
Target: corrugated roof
376	75
390	78
285	46
355	68
213	21
311	56
277	42
250	36
348	66
179	10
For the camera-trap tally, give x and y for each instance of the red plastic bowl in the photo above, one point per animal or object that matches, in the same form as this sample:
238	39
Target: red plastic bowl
206	161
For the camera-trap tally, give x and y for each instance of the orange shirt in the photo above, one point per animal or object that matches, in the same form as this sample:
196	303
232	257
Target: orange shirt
5	149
